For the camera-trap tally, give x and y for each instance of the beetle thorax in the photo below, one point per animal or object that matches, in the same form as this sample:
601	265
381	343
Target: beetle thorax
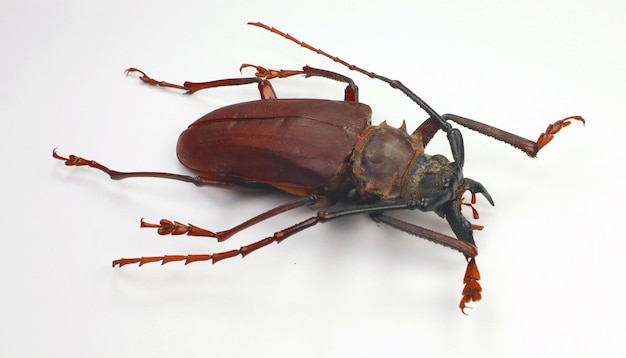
380	160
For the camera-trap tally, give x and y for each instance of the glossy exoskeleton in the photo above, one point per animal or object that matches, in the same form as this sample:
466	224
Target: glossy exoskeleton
322	150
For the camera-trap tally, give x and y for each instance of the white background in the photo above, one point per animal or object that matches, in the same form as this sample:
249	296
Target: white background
551	253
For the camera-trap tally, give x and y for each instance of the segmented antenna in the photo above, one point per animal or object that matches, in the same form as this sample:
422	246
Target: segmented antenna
393	83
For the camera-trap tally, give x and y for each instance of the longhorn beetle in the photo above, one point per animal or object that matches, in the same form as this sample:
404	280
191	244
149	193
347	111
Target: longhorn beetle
327	152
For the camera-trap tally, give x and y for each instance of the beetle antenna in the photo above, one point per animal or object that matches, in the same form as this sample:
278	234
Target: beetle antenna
393	83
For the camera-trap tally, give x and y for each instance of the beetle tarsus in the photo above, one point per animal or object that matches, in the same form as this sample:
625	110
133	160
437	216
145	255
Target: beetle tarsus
547	136
472	290
167	227
269	74
162	259
152	82
72	160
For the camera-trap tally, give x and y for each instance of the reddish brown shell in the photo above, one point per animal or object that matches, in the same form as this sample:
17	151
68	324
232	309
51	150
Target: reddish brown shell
300	146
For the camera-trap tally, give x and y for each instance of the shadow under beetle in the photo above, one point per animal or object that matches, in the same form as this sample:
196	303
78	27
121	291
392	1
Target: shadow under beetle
322	150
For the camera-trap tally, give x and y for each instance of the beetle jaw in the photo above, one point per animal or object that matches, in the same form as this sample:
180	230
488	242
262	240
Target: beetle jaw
473	187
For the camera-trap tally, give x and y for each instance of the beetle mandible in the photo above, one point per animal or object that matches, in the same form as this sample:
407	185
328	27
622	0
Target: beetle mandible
344	159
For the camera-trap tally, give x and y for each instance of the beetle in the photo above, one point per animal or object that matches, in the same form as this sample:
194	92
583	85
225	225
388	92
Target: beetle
328	154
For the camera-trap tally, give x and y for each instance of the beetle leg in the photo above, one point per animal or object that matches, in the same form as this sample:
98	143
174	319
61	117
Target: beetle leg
471	290
351	93
243	251
322	216
265	88
167	227
76	161
428	129
463	247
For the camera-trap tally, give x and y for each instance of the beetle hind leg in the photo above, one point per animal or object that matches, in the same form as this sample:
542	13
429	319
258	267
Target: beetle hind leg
265	88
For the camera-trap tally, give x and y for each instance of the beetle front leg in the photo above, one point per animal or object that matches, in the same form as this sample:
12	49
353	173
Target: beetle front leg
527	146
472	290
466	248
429	127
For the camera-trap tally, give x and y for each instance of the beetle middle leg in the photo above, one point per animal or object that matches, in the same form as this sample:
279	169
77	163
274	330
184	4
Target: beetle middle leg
167	227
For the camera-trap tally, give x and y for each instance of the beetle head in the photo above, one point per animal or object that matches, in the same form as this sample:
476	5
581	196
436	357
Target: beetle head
437	184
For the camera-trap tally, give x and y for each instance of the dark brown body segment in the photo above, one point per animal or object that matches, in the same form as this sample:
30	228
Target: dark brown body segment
301	146
381	160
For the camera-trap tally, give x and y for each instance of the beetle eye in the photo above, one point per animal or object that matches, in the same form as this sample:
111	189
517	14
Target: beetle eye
445	181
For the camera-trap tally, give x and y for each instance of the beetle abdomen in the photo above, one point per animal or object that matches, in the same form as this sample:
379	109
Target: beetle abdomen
297	145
